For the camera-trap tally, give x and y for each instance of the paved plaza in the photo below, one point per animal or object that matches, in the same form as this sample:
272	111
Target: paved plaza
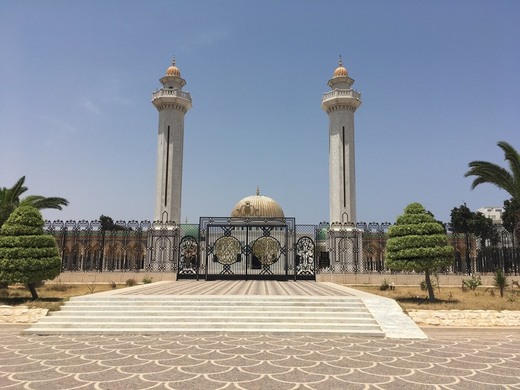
439	358
449	359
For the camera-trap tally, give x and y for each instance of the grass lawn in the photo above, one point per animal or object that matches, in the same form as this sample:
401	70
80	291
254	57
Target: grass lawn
450	298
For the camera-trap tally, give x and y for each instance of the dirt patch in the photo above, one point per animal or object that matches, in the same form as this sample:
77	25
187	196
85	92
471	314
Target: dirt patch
449	298
51	296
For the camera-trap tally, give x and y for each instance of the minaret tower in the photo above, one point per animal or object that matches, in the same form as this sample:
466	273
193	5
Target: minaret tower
172	103
340	105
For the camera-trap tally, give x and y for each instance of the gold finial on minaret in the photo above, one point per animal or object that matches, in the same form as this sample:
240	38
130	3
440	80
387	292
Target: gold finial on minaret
340	60
340	71
173	70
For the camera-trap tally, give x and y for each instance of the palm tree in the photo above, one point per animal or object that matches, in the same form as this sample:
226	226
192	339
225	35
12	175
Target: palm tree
10	200
507	180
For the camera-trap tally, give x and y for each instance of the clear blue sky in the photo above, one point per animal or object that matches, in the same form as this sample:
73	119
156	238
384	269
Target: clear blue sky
440	85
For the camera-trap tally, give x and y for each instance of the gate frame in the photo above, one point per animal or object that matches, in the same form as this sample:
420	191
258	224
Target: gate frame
287	251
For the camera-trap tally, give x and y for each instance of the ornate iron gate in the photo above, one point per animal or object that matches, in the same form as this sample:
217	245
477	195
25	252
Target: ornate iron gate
305	258
236	248
188	258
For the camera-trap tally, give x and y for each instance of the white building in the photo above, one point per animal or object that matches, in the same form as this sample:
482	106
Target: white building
494	213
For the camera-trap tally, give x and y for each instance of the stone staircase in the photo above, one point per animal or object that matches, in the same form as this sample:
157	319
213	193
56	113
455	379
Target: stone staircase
148	314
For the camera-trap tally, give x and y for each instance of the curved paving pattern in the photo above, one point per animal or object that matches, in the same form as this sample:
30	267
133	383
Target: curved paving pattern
449	359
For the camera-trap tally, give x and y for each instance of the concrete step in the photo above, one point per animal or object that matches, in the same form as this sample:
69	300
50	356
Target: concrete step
292	298
215	324
238	300
230	306
232	326
179	330
223	305
215	318
161	314
190	312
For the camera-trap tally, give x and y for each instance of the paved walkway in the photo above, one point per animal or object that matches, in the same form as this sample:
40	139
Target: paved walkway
449	359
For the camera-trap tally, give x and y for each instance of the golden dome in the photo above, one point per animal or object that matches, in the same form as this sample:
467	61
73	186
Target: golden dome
340	71
173	70
257	206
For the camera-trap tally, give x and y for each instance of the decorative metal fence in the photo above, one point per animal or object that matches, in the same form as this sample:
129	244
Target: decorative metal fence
128	246
194	251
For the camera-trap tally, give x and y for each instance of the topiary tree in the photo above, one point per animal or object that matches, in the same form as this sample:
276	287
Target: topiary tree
27	255
418	243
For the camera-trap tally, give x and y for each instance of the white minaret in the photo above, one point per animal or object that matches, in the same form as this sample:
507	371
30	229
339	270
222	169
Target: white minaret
172	103
340	104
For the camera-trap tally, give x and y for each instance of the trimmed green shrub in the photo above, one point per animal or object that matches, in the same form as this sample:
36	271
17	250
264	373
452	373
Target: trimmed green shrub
418	243
27	255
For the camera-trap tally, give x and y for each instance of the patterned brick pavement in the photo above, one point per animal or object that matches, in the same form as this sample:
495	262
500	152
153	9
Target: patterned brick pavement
449	359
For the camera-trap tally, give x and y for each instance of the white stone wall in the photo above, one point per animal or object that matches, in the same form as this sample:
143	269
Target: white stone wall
20	315
465	318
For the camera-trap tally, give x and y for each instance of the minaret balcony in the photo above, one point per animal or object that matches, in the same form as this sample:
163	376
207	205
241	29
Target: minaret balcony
339	93
169	96
171	92
348	97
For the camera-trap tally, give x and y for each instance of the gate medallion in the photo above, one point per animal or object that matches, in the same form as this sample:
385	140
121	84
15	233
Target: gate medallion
267	250
227	250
